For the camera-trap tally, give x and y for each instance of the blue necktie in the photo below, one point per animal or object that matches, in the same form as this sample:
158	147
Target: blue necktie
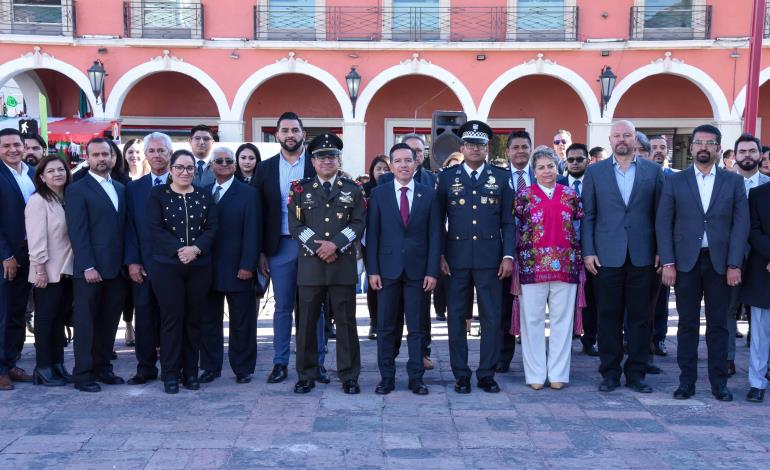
158	181
576	185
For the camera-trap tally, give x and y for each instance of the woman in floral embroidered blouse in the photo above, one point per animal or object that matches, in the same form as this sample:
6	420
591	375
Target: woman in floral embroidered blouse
549	270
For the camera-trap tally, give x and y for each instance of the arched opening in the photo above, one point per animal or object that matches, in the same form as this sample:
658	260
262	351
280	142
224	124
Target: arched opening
63	95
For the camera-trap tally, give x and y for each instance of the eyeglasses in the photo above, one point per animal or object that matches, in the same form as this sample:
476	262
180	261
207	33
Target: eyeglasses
705	143
472	146
325	158
182	168
559	141
224	161
576	159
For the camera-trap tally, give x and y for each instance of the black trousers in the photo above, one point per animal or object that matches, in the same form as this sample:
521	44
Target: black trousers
147	328
589	313
13	307
400	298
53	305
128	303
97	309
242	343
619	290
507	340
343	303
460	287
439	295
181	291
660	321
702	282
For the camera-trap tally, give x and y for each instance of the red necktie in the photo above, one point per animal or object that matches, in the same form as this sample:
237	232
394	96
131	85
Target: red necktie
404	207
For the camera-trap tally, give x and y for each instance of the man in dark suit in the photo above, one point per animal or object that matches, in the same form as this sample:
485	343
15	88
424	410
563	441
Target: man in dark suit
327	216
702	228
755	290
16	187
620	196
201	140
278	258
157	150
475	199
234	257
96	218
403	247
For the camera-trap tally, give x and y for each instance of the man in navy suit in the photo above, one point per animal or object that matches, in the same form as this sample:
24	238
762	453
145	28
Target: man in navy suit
157	150
278	258
201	140
234	257
702	228
403	247
16	187
96	218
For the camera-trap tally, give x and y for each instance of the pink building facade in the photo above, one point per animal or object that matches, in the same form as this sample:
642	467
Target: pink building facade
518	64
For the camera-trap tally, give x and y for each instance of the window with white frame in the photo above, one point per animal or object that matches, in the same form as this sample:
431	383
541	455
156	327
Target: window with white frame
542	20
670	19
43	17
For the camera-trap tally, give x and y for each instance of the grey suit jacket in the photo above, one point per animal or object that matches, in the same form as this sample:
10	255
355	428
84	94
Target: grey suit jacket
613	231
681	221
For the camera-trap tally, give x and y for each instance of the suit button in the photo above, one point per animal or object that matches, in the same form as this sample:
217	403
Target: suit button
474	206
457	238
474	222
475	237
474	192
327	205
326	234
326	219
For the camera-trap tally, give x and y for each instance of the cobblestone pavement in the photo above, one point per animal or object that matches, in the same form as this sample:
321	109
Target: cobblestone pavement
225	425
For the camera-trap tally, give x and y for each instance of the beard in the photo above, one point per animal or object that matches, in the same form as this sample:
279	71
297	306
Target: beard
622	149
291	148
747	164
703	157
576	174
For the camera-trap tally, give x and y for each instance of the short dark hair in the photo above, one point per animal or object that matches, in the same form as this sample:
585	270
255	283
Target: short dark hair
578	146
518	135
730	152
746	137
99	140
401	146
765	149
595	151
202	128
11	131
412	136
41	188
658	137
180	153
36	137
707	129
290	116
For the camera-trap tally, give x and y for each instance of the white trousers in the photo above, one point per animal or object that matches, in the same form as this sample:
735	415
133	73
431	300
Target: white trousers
760	344
560	299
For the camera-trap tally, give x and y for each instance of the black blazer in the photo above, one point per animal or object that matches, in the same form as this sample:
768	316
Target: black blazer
12	231
755	290
269	189
392	249
237	244
422	176
95	228
138	240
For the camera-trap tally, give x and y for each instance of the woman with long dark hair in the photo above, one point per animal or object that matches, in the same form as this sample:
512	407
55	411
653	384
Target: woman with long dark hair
247	158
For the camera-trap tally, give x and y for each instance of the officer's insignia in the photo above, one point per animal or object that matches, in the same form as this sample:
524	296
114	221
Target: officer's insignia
483	199
419	194
315	185
462	201
339	215
346	197
475	127
339	183
491	180
454	203
308	196
457	180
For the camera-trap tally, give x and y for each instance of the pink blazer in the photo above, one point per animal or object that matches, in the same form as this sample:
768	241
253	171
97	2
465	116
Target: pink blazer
47	237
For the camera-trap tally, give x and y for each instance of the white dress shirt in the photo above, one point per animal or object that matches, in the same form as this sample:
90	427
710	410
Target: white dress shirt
751	182
548	191
108	187
705	188
25	183
163	178
571	180
469	170
524	174
409	193
225	186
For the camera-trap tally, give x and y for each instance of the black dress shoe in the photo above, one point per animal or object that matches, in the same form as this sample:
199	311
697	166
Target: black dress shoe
171	386
242	378
351	387
639	386
110	378
463	385
279	374
46	377
441	316
323	376
659	348
90	387
684	392
418	387
209	376
609	385
652	369
722	393
114	355
488	384
755	395
192	383
502	368
730	368
140	379
590	350
304	386
385	386
62	373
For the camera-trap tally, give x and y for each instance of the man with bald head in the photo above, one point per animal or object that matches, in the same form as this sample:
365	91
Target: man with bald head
620	197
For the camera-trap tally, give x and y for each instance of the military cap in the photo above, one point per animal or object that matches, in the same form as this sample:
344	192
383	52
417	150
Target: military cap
476	132
324	145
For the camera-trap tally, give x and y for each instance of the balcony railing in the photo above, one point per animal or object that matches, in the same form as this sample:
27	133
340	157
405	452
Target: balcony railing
454	24
52	18
767	21
670	23
163	20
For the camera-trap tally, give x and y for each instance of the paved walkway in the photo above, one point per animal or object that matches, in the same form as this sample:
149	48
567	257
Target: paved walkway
226	425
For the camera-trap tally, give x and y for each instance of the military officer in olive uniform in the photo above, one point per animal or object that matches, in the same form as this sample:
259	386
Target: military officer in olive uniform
327	216
477	201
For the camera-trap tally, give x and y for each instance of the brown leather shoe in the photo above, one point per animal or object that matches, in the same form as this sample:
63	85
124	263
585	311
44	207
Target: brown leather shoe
5	383
17	374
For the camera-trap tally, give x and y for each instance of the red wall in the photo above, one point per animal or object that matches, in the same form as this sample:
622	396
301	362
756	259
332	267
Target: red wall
169	94
764	112
664	96
63	93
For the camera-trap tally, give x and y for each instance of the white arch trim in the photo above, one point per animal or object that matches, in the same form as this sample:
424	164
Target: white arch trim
701	79
287	65
542	66
740	101
164	63
415	66
39	60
